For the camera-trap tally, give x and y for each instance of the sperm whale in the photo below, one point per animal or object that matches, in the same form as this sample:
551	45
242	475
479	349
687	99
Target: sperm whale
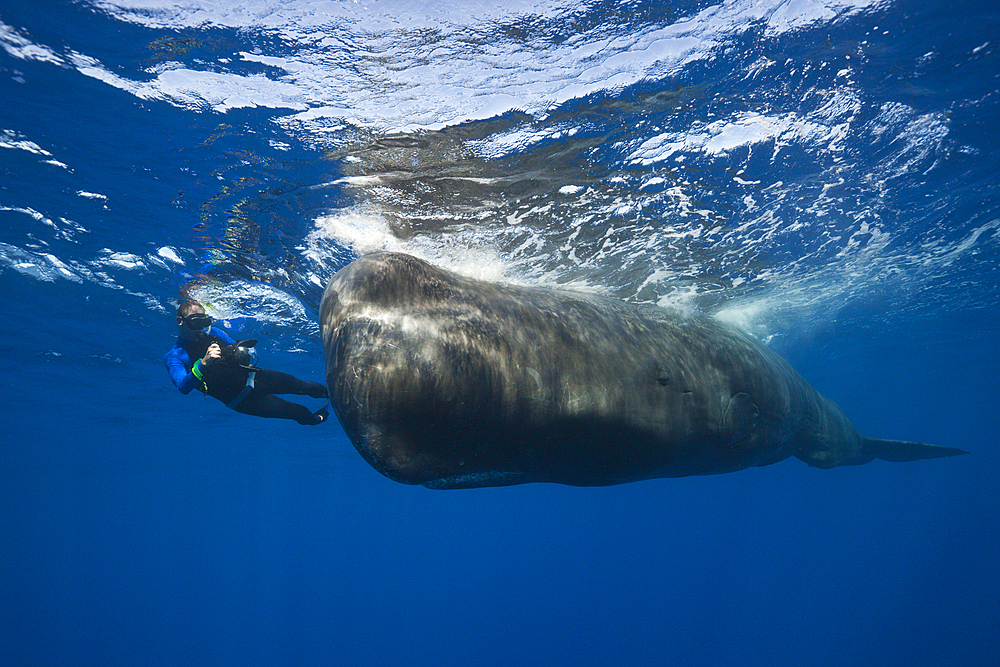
452	382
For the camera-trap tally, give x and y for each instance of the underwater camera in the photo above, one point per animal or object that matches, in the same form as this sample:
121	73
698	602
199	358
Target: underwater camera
241	354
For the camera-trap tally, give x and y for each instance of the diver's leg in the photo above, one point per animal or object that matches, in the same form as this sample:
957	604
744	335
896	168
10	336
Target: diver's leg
276	382
266	405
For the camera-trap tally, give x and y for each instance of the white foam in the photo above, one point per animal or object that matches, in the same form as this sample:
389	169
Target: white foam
361	231
16	141
723	136
22	48
467	250
38	265
265	304
91	195
121	260
168	253
423	75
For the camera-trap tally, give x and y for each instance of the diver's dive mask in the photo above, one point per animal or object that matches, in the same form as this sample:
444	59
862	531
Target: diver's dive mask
198	321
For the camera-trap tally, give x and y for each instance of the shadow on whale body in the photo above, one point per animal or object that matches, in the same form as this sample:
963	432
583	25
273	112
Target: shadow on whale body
452	382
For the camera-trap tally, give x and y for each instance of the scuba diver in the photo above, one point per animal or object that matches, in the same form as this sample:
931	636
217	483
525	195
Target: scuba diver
226	370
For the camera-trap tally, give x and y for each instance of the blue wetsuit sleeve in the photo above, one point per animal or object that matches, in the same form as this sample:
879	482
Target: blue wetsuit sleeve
178	365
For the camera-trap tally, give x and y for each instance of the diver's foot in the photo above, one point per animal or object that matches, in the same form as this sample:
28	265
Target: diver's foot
321	416
317	390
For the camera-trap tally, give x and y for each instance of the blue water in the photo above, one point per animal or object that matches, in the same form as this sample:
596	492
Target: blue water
823	174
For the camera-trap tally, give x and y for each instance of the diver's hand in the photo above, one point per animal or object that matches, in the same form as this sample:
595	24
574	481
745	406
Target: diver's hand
213	352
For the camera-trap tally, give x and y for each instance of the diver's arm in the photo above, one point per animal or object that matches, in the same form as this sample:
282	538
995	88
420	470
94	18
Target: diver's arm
176	361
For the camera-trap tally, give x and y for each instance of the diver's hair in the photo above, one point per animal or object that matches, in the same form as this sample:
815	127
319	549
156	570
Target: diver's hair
187	306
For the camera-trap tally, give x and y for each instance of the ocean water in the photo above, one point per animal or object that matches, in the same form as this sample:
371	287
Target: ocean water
820	173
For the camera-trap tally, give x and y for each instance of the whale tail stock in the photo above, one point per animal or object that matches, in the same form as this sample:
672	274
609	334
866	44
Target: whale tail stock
901	450
868	449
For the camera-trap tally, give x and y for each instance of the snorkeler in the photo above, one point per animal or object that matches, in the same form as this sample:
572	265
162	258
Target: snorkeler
226	370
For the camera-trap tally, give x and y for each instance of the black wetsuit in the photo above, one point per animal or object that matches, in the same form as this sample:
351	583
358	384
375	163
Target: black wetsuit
225	381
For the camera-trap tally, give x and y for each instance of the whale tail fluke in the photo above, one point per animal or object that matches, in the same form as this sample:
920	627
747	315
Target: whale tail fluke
899	450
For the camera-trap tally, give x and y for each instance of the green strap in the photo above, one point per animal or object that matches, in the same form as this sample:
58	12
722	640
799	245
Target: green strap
197	372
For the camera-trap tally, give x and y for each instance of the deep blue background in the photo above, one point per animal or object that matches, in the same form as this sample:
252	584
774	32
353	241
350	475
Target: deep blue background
140	526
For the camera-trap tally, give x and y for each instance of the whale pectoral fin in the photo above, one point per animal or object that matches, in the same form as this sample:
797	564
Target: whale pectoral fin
899	450
477	480
741	417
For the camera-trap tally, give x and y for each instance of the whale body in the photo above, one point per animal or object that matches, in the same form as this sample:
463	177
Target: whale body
452	382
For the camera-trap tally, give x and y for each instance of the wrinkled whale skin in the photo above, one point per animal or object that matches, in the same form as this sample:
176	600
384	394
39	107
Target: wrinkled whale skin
452	382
